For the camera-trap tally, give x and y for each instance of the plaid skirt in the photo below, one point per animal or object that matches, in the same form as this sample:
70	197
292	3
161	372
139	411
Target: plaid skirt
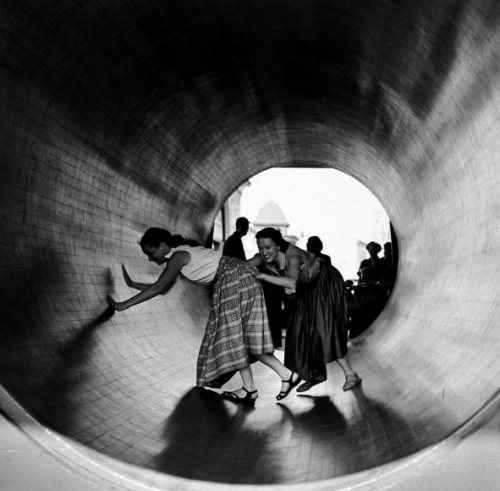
237	326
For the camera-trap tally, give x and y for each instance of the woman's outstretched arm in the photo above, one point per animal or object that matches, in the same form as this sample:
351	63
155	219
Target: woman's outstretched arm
289	281
169	275
133	284
255	262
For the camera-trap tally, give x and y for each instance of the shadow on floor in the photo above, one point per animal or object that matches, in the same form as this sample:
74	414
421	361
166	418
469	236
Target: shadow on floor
210	439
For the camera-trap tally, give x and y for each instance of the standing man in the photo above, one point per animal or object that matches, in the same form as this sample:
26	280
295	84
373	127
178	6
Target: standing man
233	246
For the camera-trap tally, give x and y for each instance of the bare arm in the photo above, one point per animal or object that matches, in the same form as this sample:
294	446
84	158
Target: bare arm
133	284
292	274
169	275
255	262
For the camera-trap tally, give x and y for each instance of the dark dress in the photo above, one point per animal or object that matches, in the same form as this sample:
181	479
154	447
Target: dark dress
275	299
317	325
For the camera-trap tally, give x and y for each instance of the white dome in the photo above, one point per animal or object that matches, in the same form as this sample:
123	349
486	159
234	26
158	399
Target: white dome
271	214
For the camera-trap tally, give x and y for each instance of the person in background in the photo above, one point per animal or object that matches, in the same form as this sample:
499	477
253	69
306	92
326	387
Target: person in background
237	331
372	291
276	303
389	263
315	246
233	247
317	320
372	269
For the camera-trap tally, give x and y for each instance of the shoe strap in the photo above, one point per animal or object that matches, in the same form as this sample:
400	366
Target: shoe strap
249	391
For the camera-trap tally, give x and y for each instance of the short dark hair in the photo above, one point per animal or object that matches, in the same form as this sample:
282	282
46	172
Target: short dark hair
314	244
242	221
377	246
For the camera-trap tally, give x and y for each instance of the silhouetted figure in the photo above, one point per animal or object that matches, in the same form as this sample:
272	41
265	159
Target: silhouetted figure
389	263
354	309
275	304
233	247
237	329
371	269
315	246
317	320
388	254
371	293
349	291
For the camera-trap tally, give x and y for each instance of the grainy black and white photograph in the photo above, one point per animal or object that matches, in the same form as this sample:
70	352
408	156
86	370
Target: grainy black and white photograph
249	245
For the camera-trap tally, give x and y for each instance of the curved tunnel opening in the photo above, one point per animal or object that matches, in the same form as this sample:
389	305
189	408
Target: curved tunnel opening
116	118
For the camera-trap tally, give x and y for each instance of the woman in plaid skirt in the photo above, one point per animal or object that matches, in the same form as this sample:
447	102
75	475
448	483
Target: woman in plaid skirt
237	332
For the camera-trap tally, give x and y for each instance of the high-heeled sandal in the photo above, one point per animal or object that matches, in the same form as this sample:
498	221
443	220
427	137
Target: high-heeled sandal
247	399
351	381
291	384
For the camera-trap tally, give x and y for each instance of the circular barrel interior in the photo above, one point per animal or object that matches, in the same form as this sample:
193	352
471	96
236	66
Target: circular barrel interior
117	116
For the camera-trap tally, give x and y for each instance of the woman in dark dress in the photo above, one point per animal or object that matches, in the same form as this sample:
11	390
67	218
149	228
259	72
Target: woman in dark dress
317	319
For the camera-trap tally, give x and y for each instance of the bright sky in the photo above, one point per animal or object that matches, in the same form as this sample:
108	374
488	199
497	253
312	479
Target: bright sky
324	202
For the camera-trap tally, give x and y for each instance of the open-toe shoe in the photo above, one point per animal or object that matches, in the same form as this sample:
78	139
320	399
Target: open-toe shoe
249	398
351	381
291	384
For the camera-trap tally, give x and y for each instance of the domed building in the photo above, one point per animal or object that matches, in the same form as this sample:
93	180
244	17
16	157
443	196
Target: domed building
271	215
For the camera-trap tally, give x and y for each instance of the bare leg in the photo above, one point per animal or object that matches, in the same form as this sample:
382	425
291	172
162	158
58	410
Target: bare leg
247	395
346	367
248	383
351	377
274	364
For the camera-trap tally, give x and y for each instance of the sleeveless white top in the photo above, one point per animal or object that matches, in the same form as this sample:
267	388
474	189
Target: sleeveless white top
202	266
